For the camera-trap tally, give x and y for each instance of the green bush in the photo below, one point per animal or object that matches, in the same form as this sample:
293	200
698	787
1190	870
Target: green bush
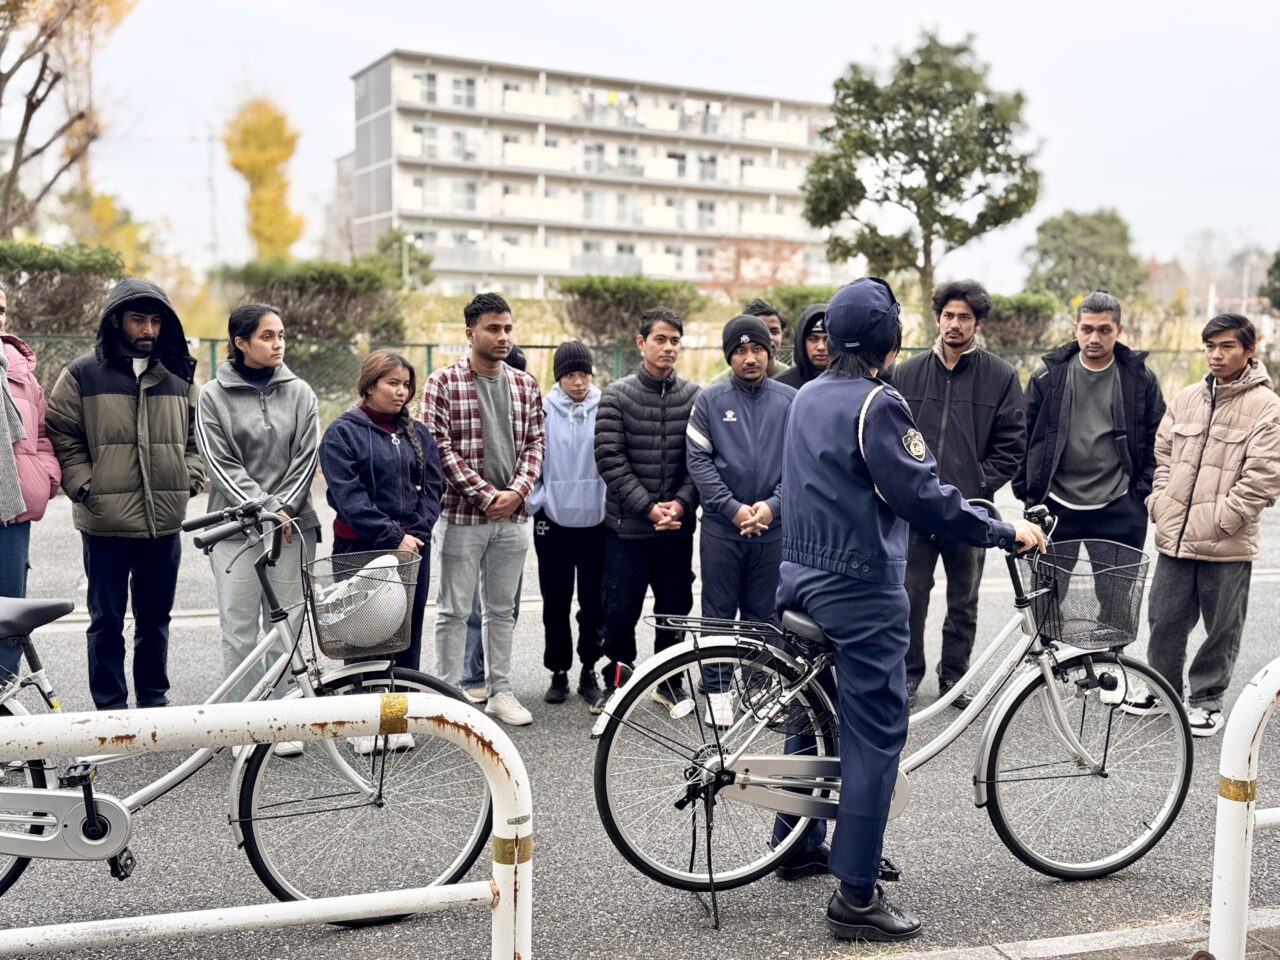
1022	320
605	311
56	290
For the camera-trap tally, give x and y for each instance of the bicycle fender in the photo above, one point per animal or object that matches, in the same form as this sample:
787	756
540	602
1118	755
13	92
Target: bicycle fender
1003	706
659	660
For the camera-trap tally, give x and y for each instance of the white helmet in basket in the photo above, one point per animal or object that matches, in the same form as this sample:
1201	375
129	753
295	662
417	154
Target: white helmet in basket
366	609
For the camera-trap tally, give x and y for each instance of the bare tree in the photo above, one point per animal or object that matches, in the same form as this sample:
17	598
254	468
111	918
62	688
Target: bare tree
28	31
739	266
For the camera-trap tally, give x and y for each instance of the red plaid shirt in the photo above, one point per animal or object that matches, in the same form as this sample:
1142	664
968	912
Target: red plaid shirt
451	411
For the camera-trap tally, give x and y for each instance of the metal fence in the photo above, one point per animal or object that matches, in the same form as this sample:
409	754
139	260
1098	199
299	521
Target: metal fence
332	367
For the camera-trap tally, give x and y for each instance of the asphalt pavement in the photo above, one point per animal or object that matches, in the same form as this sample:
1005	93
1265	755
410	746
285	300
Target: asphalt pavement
588	902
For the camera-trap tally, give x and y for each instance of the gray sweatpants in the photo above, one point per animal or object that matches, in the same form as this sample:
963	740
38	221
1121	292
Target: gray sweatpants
1182	592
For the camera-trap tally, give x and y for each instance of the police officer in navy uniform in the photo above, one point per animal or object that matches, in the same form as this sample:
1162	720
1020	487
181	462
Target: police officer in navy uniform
855	461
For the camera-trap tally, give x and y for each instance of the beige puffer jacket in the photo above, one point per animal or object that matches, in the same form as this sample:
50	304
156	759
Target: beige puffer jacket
1217	468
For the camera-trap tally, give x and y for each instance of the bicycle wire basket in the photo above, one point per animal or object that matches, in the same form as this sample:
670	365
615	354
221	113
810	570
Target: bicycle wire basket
1092	595
361	603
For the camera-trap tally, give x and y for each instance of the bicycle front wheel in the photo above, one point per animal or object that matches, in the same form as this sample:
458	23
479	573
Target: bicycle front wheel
309	832
654	761
29	774
1059	815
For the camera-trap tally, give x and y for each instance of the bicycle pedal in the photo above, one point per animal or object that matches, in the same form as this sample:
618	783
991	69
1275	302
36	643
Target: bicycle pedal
889	873
122	864
77	775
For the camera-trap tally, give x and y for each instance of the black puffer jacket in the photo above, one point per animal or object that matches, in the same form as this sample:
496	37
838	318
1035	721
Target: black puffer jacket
640	450
802	368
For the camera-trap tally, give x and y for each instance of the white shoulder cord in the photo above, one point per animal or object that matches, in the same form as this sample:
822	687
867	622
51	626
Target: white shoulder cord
862	419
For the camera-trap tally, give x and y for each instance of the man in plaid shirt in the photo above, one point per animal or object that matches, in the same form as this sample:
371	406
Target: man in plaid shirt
486	418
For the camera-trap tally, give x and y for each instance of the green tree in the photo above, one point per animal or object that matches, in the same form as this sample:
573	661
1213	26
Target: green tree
56	290
605	310
932	141
1022	320
404	263
1077	253
1271	285
792	298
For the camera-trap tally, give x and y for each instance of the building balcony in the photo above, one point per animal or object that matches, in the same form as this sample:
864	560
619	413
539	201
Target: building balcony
520	206
536	157
597	264
537	105
794	132
666	218
772	178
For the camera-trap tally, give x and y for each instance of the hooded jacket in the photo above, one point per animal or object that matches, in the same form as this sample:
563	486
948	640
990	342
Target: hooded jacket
734	451
1217	468
374	483
38	470
972	417
639	449
260	442
126	444
1136	411
802	369
569	488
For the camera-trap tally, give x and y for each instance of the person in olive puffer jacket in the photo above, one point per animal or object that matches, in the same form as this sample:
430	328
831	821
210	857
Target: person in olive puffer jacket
650	498
1217	468
122	422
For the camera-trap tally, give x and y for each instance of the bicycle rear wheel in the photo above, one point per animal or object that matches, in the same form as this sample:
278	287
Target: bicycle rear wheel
309	833
651	758
30	774
1059	816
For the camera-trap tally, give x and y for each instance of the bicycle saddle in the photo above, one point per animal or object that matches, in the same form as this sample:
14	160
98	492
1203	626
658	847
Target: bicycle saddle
19	617
800	624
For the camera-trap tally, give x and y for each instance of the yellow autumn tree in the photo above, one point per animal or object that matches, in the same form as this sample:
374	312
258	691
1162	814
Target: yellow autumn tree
260	142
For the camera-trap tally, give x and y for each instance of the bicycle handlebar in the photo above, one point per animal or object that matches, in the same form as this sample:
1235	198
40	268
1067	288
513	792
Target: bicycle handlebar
248	509
206	540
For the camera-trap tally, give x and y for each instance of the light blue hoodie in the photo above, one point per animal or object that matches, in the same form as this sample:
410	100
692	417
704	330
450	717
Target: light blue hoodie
570	489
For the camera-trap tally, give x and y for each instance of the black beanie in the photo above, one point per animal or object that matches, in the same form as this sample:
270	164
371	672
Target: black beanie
516	358
746	329
571	356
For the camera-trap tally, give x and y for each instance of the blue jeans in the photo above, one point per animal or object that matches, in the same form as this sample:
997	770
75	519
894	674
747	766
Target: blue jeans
148	569
473	655
15	541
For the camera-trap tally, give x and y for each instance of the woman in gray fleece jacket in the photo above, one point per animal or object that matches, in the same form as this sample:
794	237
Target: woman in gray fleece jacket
257	426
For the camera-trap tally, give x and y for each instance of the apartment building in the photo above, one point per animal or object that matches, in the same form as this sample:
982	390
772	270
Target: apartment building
513	175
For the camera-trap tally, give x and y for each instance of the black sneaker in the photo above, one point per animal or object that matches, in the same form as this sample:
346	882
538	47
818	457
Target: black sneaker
960	702
615	674
669	692
913	688
588	688
882	920
559	688
804	863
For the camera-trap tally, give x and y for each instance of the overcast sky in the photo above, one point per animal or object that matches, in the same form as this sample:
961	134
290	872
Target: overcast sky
1168	115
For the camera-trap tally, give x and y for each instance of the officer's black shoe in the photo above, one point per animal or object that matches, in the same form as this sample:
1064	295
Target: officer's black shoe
960	702
913	688
559	688
804	863
588	689
882	920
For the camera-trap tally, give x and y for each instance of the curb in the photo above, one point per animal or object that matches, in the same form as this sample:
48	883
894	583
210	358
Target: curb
1192	933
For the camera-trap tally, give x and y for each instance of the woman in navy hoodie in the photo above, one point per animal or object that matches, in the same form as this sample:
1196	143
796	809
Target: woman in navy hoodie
383	472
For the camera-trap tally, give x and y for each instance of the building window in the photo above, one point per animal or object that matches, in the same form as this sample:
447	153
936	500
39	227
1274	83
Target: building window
592	247
464	195
551	142
508	189
509	86
426	87
461	149
426	134
628	163
510	138
674	250
706	166
628	209
464	92
510	240
592	206
553	89
744	162
706	214
626	249
679	158
703	256
428	238
593	158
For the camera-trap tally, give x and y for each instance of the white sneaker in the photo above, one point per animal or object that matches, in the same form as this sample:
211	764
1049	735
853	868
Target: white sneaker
400	741
720	709
288	748
393	743
363	745
475	695
1204	722
505	707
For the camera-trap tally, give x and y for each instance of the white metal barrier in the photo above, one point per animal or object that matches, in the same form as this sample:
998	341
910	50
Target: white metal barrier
508	894
1237	816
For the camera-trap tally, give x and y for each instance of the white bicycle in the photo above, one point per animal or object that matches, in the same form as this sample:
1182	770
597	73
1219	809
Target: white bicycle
335	819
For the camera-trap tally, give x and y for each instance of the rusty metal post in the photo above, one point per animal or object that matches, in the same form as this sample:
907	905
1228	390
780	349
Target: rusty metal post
1237	817
508	894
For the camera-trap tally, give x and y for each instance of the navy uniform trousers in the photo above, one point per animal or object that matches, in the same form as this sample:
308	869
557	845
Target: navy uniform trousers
867	626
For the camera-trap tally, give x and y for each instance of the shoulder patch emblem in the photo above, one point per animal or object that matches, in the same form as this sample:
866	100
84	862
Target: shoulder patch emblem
914	444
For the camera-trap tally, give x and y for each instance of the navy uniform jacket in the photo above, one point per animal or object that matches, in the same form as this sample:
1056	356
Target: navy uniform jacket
734	451
848	513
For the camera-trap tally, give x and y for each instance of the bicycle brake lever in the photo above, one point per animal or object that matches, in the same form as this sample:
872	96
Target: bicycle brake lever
245	549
